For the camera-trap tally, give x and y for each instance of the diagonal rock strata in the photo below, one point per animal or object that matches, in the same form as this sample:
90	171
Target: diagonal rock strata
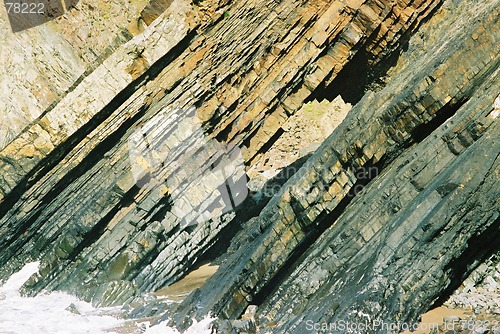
391	123
70	195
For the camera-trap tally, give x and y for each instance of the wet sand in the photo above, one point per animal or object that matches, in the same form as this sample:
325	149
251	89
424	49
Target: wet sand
434	318
195	279
174	293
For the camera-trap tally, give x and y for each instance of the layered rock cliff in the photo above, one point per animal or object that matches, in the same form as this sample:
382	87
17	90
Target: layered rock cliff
158	153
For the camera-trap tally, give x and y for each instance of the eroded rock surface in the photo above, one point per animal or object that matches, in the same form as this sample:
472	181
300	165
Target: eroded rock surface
388	211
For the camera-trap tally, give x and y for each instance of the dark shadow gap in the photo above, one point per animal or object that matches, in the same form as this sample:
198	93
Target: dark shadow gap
267	146
230	237
357	77
315	230
365	71
479	249
96	231
424	130
56	156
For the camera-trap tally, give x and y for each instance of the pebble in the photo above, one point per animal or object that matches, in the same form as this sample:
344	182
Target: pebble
479	293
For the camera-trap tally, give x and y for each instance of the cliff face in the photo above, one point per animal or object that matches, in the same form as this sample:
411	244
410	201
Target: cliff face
139	166
42	64
328	249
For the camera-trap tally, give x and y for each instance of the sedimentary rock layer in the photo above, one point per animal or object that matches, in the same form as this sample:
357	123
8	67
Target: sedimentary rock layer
429	142
42	64
68	177
122	184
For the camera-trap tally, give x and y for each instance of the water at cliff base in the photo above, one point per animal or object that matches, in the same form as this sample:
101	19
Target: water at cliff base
48	314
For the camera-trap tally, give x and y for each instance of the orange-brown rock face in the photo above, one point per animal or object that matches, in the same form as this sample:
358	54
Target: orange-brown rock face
141	168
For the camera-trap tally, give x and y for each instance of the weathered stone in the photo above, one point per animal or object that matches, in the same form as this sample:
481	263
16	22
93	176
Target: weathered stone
408	178
429	200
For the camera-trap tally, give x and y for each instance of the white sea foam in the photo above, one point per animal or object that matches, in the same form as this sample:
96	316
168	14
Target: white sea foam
48	314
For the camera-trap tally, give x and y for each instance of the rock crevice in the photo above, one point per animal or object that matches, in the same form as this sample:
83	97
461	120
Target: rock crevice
141	169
